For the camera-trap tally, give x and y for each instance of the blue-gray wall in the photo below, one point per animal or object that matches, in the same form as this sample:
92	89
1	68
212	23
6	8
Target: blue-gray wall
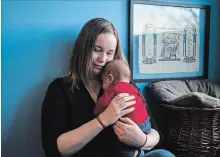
37	38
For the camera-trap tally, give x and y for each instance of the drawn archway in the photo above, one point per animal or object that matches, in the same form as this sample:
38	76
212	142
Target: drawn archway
189	44
149	45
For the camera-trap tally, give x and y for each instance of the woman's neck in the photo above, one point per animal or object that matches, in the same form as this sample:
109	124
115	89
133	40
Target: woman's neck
94	87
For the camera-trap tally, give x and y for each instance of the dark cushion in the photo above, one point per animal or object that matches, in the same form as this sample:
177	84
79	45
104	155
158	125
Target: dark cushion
205	87
196	99
167	91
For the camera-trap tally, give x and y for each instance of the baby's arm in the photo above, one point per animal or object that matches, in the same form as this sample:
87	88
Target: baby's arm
99	108
101	104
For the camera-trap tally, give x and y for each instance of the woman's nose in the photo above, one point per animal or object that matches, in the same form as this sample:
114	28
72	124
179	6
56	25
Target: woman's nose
102	57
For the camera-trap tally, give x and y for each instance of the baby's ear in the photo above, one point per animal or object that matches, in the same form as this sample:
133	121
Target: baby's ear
111	78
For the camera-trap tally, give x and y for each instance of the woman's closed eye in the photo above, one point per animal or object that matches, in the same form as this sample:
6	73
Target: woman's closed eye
96	49
111	52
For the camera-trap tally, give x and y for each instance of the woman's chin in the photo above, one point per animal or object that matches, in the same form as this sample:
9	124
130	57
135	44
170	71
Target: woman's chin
96	72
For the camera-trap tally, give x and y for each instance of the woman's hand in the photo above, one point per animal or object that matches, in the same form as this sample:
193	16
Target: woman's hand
129	133
117	108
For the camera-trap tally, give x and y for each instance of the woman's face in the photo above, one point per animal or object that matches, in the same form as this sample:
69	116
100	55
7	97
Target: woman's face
103	52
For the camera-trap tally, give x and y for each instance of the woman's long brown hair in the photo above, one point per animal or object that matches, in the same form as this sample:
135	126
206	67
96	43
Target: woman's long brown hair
80	68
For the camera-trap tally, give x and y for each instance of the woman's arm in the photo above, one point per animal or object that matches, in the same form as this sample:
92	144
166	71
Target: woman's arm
153	123
129	133
71	142
152	139
57	140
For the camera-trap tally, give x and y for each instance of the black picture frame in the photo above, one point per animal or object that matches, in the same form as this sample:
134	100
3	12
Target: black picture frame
201	46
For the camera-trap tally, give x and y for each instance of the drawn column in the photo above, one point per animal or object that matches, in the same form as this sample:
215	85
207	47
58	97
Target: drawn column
148	45
189	44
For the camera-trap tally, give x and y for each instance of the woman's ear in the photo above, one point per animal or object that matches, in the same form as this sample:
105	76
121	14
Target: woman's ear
111	78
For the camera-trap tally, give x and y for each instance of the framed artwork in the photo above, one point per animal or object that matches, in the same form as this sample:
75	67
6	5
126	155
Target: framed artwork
168	40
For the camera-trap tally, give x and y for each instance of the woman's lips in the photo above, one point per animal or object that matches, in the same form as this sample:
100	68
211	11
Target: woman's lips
98	66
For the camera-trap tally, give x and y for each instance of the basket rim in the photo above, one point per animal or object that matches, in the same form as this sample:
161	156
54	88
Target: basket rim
170	106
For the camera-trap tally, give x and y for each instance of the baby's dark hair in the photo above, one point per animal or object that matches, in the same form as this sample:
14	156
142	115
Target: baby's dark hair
119	69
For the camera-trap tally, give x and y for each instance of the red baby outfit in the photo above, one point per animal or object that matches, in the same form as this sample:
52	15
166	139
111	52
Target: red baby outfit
139	115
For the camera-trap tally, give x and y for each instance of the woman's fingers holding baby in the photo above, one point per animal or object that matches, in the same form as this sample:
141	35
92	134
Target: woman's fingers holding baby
120	99
117	130
128	132
126	111
121	102
119	96
126	104
117	108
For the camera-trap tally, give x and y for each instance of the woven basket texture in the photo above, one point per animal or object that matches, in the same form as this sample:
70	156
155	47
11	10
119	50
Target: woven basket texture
193	132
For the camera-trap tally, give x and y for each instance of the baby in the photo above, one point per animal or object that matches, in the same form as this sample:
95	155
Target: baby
116	77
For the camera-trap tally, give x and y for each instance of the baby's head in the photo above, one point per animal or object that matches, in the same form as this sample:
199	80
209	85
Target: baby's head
115	71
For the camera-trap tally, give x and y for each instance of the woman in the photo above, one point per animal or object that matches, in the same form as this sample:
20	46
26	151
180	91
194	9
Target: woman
69	127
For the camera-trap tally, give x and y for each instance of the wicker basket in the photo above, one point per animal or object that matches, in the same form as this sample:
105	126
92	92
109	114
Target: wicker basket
193	132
